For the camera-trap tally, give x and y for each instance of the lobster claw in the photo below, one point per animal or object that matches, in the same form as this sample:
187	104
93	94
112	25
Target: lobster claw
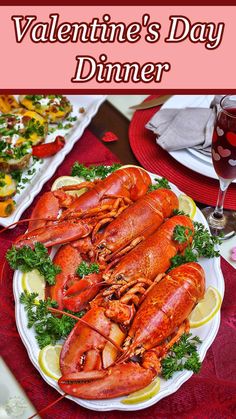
115	381
81	291
55	234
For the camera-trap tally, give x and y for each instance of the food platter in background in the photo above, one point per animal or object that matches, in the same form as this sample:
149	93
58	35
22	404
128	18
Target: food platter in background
84	108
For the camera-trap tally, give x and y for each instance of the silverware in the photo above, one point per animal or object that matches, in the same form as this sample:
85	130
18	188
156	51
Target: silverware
151	103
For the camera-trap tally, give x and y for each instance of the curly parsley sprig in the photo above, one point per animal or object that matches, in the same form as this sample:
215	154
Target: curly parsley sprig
92	172
179	212
26	259
85	269
182	234
182	356
203	244
159	183
48	328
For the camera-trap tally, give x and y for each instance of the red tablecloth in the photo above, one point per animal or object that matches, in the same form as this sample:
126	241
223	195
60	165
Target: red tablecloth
210	394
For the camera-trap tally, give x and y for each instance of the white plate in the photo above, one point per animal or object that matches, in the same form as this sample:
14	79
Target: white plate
207	333
189	157
12	396
45	170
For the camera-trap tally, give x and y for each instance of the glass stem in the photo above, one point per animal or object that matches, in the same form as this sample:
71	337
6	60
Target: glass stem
218	212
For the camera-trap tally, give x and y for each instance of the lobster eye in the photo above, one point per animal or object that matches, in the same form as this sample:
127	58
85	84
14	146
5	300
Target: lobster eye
101	246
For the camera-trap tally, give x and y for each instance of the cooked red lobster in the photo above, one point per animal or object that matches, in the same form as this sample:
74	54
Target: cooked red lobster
115	307
117	190
136	311
127	228
134	225
89	364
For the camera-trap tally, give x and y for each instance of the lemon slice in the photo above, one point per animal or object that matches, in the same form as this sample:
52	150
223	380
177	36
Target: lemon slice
144	394
187	205
33	281
49	361
67	181
132	165
206	308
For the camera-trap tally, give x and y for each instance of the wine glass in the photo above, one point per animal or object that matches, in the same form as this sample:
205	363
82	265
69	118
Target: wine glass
224	160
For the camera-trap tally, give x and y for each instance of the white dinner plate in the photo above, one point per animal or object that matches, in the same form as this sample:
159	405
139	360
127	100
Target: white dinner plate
207	334
189	157
46	169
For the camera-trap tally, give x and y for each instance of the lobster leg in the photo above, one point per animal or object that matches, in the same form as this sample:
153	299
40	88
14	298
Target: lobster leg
82	291
68	258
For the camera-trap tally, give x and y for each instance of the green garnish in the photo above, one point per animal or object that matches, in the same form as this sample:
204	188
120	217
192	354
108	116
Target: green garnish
159	183
182	234
21	177
85	269
8	152
71	118
203	242
182	356
187	256
92	172
32	127
26	259
49	329
203	245
34	98
17	175
2	181
179	212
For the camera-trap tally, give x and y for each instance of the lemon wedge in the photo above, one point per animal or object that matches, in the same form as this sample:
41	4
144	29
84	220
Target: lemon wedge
132	165
144	394
33	281
206	309
187	205
49	361
67	181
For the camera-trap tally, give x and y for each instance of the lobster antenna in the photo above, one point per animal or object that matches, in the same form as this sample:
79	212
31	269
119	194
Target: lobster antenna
57	311
48	406
24	221
2	271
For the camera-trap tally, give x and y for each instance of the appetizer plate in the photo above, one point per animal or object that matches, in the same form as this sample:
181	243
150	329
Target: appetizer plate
207	334
43	171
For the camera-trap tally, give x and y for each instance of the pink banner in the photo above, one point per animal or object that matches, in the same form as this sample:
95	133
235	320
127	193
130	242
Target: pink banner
114	47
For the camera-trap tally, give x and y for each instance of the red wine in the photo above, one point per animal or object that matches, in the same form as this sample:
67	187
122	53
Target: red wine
224	144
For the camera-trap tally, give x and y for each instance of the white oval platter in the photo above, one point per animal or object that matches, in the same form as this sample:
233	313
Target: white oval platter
207	334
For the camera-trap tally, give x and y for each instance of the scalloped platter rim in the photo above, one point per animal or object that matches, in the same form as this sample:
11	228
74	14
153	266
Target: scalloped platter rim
206	332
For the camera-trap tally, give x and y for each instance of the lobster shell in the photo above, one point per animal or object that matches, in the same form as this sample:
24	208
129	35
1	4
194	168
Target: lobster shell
153	255
140	219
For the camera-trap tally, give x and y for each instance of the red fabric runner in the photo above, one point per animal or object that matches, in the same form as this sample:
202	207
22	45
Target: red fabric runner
210	394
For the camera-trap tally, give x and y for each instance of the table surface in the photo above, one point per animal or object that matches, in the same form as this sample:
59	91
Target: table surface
112	118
